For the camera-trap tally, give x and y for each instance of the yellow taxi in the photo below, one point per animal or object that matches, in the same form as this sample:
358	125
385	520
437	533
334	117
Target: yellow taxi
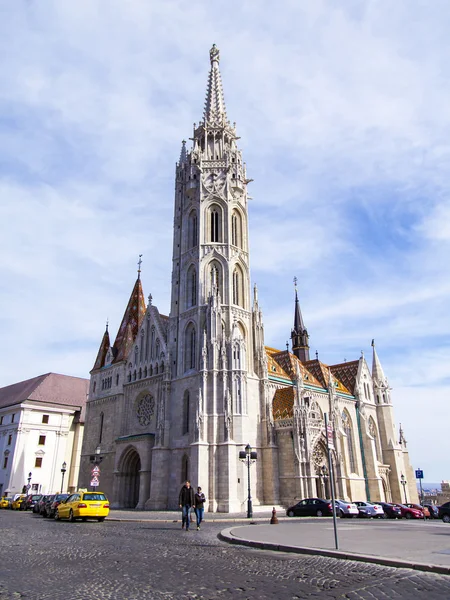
83	505
16	504
5	502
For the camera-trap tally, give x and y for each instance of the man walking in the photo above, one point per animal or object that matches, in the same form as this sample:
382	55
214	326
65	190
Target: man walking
199	506
186	500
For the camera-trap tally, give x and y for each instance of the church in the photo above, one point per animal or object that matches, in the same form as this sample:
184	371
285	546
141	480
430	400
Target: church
178	397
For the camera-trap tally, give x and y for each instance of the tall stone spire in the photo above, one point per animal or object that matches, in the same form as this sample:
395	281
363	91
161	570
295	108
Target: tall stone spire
299	334
215	112
183	153
377	370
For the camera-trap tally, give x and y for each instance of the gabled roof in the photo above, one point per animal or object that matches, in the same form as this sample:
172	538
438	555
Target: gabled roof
102	351
283	363
346	374
50	388
131	322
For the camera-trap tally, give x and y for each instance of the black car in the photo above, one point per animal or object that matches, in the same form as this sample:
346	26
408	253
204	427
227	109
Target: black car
311	507
45	504
434	510
31	501
391	511
444	512
56	502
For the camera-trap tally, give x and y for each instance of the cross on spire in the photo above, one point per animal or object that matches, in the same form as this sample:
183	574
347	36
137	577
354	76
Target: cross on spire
139	266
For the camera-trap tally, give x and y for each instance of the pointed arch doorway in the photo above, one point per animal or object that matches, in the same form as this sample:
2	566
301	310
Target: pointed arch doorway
130	479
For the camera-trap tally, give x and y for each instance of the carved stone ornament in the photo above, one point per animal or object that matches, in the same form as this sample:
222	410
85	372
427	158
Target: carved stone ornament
318	457
145	408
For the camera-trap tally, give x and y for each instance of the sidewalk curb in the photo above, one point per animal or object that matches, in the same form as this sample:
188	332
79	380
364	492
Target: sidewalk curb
178	520
227	536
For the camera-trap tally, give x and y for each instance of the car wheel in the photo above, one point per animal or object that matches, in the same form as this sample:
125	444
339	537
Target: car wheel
319	513
57	517
446	518
291	513
71	517
384	516
341	514
84	519
101	519
44	513
408	516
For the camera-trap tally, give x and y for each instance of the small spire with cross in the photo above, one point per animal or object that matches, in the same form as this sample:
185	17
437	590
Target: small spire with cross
107	323
287	346
317	355
150	298
139	266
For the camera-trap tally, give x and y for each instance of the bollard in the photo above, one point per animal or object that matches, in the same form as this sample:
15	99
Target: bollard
274	519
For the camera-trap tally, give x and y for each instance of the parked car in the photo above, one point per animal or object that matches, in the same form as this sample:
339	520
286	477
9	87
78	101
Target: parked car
311	507
56	502
391	511
46	504
346	509
18	501
410	513
368	510
83	505
444	512
31	500
426	512
39	504
5	502
434	510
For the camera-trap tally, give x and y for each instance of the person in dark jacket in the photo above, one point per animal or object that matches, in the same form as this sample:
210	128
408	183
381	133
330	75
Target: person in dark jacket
186	500
199	506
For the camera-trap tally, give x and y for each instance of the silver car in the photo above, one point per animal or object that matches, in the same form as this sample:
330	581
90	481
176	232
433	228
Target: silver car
346	509
368	510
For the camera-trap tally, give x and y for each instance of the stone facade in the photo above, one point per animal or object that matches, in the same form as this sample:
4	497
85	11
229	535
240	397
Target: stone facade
178	397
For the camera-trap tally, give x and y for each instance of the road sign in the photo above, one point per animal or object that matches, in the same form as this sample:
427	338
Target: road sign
419	474
95	482
95	471
330	439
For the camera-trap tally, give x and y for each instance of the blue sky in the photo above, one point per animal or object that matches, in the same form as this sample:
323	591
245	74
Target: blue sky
343	113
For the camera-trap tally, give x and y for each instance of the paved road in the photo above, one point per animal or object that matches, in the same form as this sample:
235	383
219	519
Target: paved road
42	559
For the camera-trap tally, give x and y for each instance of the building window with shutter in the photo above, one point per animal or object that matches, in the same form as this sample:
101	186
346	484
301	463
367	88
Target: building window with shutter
38	462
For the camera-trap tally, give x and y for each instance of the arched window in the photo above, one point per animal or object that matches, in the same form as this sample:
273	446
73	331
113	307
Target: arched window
152	343
238	399
157	348
147	341
185	468
192	230
236	229
135	356
190	347
238	289
215	224
191	288
100	433
186	415
348	430
215	277
376	440
141	349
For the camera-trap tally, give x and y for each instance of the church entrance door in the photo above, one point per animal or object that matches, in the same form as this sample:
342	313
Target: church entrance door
130	479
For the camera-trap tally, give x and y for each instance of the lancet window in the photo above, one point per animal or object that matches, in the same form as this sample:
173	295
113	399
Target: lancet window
348	430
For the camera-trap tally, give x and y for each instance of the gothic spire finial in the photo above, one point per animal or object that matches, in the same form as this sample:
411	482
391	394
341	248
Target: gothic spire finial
215	111
139	266
107	323
183	153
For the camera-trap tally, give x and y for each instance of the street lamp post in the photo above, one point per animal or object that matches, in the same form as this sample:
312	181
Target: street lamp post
404	482
248	457
63	472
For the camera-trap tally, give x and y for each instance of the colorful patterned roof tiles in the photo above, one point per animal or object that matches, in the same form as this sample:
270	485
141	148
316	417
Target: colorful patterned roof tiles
131	322
102	352
283	404
346	374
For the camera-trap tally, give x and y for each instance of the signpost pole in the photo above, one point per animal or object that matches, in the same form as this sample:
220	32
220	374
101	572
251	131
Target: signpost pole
330	445
419	476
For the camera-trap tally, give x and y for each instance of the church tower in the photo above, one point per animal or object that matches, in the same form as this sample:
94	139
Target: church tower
299	334
214	403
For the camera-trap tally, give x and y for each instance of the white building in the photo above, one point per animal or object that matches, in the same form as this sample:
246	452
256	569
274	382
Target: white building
178	396
41	427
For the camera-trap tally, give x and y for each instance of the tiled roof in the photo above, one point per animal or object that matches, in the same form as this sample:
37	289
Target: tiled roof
50	388
283	404
102	351
131	322
346	374
283	363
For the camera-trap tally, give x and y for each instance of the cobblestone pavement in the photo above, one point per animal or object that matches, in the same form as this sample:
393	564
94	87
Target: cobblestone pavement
43	559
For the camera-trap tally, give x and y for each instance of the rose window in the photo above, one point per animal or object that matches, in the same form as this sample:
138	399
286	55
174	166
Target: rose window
145	407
